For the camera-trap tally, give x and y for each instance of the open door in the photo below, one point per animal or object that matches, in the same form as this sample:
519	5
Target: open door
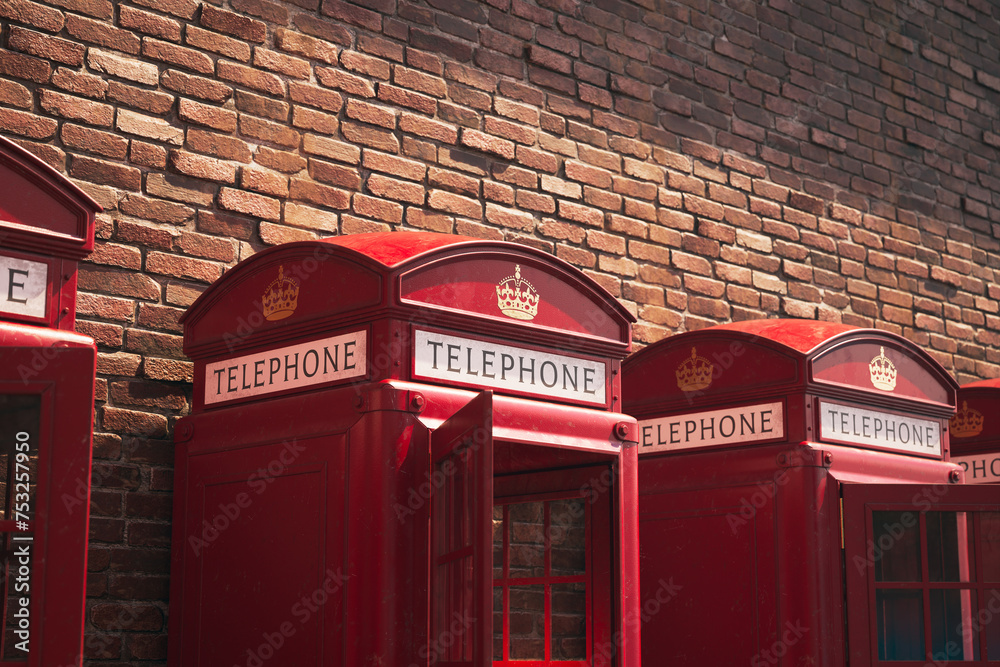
922	566
461	537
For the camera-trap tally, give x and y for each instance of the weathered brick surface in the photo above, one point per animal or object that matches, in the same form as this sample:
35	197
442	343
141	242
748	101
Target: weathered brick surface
829	160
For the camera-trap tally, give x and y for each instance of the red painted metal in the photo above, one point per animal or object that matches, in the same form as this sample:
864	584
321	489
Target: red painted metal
46	219
46	412
395	450
748	525
975	432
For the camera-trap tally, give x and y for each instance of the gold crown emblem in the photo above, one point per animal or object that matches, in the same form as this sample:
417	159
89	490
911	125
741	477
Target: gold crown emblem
281	297
883	371
966	423
694	373
516	297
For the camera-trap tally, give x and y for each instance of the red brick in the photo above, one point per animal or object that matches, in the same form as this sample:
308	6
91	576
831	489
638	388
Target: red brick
407	98
321	195
24	67
425	127
279	62
138	98
315	144
206	40
359	62
217	118
278	234
370	136
315	96
488	144
199	166
584	173
582	214
251	78
200	245
14	94
392	188
263	181
283	161
156	210
328	30
308	217
145	235
33	14
510	218
308	47
264	130
184	9
317	121
334	174
98	32
179	267
94	141
218	223
456	204
195	86
271	12
258	105
397	166
178	55
149	127
101	9
44	46
371	113
233	24
352	14
249	203
105	173
221	146
432	221
26	124
454	181
379	209
350	84
148	23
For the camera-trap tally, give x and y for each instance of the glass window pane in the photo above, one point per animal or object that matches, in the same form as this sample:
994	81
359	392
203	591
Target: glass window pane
948	546
989	619
527	539
569	622
568	536
895	547
900	618
952	636
527	622
989	526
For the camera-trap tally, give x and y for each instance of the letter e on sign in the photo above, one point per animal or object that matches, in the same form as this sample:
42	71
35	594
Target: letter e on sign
23	287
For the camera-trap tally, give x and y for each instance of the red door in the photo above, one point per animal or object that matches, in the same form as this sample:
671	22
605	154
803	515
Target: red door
461	508
923	574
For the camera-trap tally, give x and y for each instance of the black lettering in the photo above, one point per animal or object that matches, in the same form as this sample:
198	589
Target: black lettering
890	430
765	421
843	422
555	373
468	365
232	378
245	384
435	344
275	366
905	439
878	426
330	359
865	425
11	285
995	467
349	362
918	436
572	379
690	427
646	434
744	424
504	367
305	363
453	356
588	380
258	373
659	435
530	368
488	364
675	436
978	466
722	426
218	381
295	366
710	428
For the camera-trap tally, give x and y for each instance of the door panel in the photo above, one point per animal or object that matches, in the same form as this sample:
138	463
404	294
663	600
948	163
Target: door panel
461	516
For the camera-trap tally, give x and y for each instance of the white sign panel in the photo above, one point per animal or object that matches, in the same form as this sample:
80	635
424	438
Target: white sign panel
980	469
748	423
22	287
337	358
879	429
451	358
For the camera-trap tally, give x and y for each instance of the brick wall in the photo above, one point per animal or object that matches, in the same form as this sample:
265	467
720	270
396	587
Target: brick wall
704	160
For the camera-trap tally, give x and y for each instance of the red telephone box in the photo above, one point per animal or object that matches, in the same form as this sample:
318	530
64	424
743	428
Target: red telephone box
975	433
46	411
405	449
794	489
